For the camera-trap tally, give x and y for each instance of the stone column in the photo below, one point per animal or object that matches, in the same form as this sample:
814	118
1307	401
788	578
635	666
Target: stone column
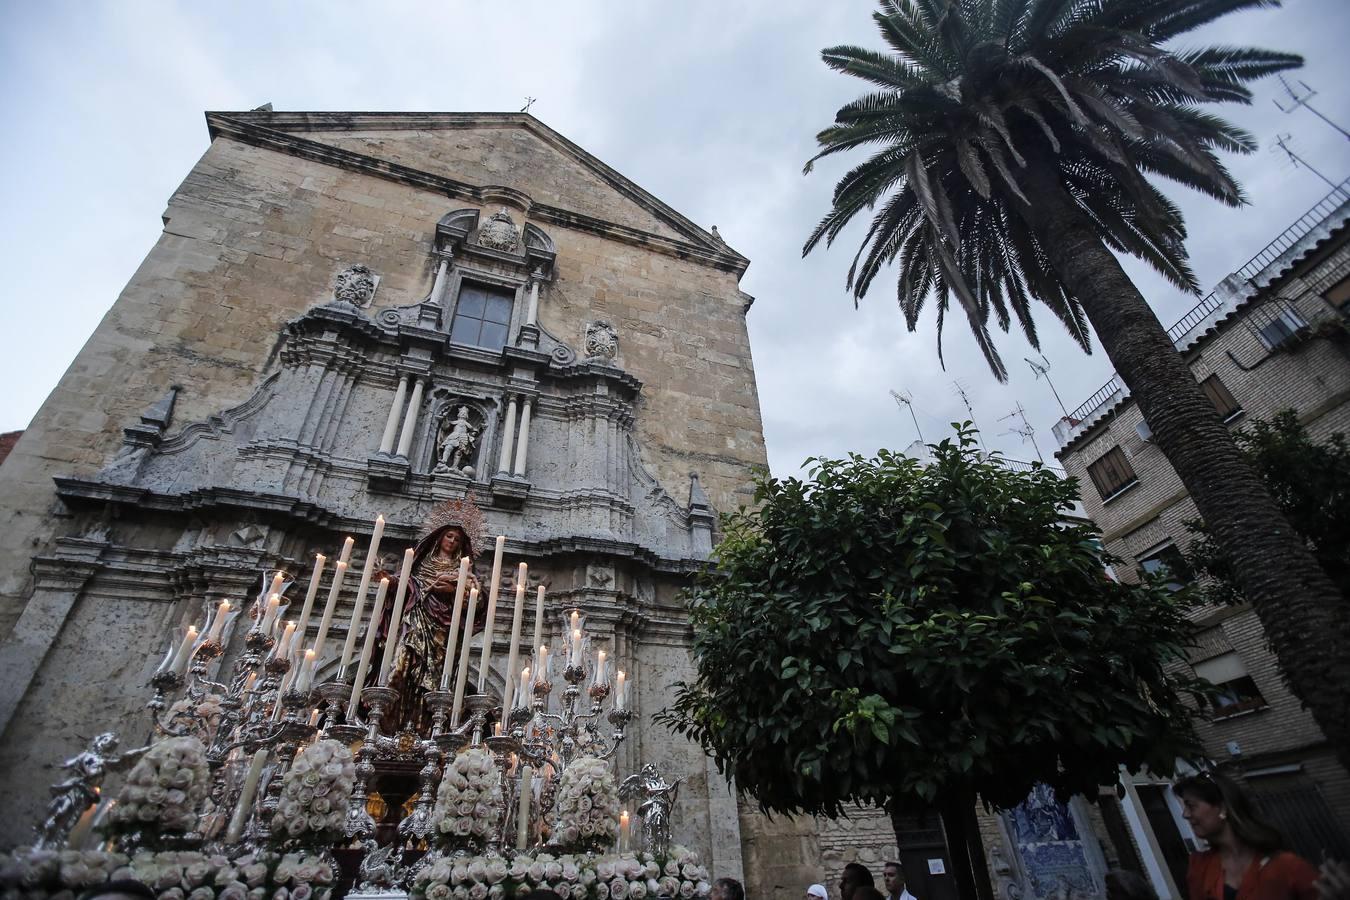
532	310
410	422
523	446
508	433
395	413
439	284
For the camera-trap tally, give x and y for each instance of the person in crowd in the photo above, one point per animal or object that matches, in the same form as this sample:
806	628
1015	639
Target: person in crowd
817	892
855	876
893	877
1122	884
1246	859
727	889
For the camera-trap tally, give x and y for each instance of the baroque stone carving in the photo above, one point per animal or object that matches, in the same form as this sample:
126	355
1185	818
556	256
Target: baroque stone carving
456	443
602	340
499	232
355	285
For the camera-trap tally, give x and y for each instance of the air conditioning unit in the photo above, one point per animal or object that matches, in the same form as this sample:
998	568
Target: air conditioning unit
1145	433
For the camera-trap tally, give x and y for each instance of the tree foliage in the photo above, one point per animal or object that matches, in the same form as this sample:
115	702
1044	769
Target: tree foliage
1310	482
890	632
968	97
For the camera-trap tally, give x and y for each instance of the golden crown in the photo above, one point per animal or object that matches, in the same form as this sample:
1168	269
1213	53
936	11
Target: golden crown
463	513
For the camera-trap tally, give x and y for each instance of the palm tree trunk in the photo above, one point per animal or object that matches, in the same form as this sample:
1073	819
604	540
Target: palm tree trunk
1305	618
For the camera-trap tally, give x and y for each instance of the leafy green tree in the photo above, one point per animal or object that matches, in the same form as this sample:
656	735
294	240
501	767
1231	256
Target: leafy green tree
1310	481
919	636
1012	142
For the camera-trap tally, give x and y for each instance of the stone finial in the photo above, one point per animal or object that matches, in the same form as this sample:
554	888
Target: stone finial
160	413
698	499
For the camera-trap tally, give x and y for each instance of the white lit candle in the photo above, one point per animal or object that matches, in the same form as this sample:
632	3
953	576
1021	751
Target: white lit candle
270	613
620	694
491	613
283	648
575	659
184	654
523	811
277	580
363	666
372	556
306	677
396	617
302	624
452	633
218	626
541	664
339	575
623	831
538	617
241	812
525	686
600	667
346	555
463	675
517	617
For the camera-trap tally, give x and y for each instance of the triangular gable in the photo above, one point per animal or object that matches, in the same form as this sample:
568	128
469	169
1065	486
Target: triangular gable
476	150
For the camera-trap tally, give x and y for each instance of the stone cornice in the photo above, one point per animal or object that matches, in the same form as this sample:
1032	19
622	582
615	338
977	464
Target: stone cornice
261	129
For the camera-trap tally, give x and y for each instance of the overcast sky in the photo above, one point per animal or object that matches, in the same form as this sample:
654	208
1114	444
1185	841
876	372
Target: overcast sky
712	106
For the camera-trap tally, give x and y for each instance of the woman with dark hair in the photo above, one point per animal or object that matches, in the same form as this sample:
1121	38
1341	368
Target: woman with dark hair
1246	859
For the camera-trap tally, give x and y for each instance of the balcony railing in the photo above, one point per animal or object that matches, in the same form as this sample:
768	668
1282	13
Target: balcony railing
1212	301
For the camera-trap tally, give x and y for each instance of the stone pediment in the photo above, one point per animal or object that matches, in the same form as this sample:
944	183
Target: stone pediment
465	154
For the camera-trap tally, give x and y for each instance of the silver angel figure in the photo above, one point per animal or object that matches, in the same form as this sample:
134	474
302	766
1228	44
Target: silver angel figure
70	798
656	798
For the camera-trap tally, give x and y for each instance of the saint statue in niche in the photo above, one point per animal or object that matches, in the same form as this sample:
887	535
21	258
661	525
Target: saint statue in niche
455	445
453	531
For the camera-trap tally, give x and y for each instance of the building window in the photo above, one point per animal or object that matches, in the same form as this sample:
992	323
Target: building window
1223	401
482	316
1236	692
1112	473
1338	295
1165	562
1275	323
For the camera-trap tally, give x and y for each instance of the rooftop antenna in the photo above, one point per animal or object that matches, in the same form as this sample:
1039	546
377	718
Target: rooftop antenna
1042	370
1282	142
529	101
960	389
1026	431
907	401
1297	99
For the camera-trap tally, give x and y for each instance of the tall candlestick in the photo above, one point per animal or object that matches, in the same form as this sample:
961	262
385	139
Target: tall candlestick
620	694
346	555
575	659
306	677
184	654
283	648
302	624
491	613
463	675
240	817
372	631
600	668
452	633
372	556
270	613
517	616
339	575
538	618
396	617
218	626
523	811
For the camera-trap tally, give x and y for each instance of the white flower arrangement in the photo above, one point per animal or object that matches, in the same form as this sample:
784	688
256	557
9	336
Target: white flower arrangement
163	791
588	805
578	877
173	875
314	796
468	804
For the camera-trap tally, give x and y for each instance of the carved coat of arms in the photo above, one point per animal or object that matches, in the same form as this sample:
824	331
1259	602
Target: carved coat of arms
356	285
499	232
602	340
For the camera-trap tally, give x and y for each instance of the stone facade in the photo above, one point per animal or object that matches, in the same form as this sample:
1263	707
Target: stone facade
1274	335
253	396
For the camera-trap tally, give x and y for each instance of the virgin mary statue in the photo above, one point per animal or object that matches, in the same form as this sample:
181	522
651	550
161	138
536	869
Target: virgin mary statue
453	531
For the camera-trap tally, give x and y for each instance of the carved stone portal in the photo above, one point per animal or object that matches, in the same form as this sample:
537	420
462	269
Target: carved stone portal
457	441
602	341
499	232
356	285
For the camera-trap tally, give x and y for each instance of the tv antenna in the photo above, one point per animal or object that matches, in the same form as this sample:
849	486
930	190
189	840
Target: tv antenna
1026	431
1042	370
1297	99
1282	143
961	392
906	400
529	101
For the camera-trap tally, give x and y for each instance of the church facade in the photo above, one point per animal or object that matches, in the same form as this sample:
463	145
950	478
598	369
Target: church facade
351	315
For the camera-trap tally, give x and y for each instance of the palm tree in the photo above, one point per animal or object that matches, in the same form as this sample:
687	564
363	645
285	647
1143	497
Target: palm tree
1012	145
